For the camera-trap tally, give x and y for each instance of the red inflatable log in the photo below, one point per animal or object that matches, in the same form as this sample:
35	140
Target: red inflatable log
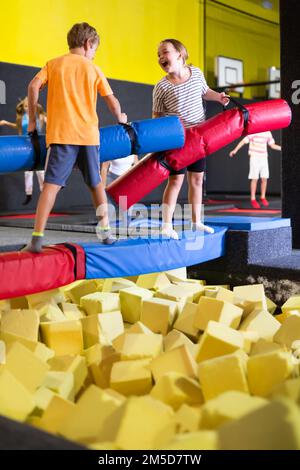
200	141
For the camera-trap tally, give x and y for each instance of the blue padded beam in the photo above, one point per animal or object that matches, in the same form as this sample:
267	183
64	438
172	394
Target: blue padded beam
142	255
150	135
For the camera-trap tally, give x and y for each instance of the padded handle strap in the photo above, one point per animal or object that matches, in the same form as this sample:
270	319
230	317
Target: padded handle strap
34	137
242	108
131	134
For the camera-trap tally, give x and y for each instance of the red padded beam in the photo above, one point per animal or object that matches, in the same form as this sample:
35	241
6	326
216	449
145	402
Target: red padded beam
200	141
27	273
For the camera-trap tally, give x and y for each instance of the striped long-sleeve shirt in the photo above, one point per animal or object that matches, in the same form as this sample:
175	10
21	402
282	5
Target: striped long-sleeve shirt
183	100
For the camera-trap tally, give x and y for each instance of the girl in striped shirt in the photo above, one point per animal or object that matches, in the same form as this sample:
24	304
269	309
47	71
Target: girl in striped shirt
180	93
259	166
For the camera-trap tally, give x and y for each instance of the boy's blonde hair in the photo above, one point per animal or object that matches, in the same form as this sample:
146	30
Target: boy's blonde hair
80	33
179	48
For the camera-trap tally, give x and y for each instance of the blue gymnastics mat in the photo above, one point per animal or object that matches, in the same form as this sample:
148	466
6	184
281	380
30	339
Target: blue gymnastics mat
148	255
247	223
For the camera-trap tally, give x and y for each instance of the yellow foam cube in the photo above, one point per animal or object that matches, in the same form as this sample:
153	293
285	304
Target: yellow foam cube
289	388
223	373
175	360
228	406
218	340
19	303
25	366
254	293
101	328
49	311
179	274
53	295
176	338
139	346
281	317
176	293
250	339
262	346
116	284
158	314
63	337
4	306
154	281
61	383
71	311
186	321
131	302
225	294
99	302
293	303
194	287
81	289
21	323
39	349
91	330
136	328
126	426
131	377
267	370
271	306
188	418
111	325
217	310
74	364
86	419
262	322
212	290
176	389
2	352
99	360
205	440
42	398
57	411
288	332
275	426
16	402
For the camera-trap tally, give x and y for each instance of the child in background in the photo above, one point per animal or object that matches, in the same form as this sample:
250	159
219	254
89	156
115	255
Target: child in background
72	128
180	93
21	125
259	167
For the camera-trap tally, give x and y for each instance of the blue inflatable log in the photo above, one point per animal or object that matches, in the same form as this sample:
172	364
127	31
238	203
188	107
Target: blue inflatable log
139	137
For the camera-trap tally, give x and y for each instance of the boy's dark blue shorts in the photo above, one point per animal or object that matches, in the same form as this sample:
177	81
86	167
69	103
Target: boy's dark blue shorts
196	167
62	158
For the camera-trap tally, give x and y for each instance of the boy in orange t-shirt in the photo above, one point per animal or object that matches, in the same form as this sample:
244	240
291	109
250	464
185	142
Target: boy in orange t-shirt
72	125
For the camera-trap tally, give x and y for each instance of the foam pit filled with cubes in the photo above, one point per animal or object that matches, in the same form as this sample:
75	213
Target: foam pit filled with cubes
156	361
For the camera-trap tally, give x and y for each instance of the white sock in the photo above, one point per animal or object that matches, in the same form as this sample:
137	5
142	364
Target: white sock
168	231
201	227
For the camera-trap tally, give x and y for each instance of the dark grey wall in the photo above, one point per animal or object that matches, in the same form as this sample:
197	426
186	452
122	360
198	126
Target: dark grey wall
224	175
290	89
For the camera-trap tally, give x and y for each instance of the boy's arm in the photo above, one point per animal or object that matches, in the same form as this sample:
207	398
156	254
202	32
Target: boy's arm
275	147
7	123
104	170
212	95
237	148
115	108
136	160
33	96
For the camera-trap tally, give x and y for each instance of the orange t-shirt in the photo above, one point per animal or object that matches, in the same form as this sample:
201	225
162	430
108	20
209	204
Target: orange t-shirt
73	83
